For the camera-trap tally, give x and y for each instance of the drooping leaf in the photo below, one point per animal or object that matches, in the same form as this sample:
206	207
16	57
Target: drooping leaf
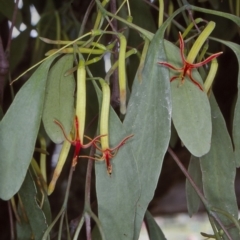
24	230
191	110
59	100
236	121
117	194
229	16
149	118
218	170
154	231
193	200
18	131
34	213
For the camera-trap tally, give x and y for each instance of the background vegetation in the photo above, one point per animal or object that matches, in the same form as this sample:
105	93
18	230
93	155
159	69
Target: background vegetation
46	101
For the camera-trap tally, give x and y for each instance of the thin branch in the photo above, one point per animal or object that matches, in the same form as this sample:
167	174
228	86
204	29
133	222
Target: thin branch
11	220
199	193
88	193
115	84
86	16
14	17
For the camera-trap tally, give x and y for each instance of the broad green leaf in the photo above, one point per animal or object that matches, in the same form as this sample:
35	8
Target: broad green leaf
149	119
59	99
190	107
34	213
117	194
23	230
154	231
18	131
7	9
193	200
236	121
218	170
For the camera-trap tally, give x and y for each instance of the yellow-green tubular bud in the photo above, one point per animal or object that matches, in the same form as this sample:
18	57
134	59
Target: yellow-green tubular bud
170	12
111	45
142	59
190	26
104	114
93	60
161	13
115	65
43	158
200	41
61	161
81	98
121	68
211	75
122	74
99	16
81	50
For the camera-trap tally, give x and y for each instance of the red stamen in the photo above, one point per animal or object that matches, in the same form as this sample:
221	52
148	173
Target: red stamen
187	67
76	142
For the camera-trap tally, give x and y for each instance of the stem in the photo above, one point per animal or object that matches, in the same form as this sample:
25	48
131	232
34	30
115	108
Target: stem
11	220
4	66
58	51
199	193
185	172
80	224
64	206
146	33
115	79
11	28
161	13
216	235
88	193
229	216
86	16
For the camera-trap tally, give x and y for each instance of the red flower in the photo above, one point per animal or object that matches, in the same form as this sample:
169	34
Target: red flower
187	67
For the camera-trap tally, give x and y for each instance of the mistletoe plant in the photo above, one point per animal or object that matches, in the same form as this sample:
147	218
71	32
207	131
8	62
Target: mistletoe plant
125	114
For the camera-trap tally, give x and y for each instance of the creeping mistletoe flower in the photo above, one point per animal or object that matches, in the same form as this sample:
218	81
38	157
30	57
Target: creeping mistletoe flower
109	153
76	142
186	70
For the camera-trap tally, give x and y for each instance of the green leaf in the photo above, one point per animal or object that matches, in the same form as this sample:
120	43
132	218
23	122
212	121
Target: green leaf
59	100
149	119
154	231
218	170
35	215
229	16
236	121
190	107
193	200
24	230
18	131
117	194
